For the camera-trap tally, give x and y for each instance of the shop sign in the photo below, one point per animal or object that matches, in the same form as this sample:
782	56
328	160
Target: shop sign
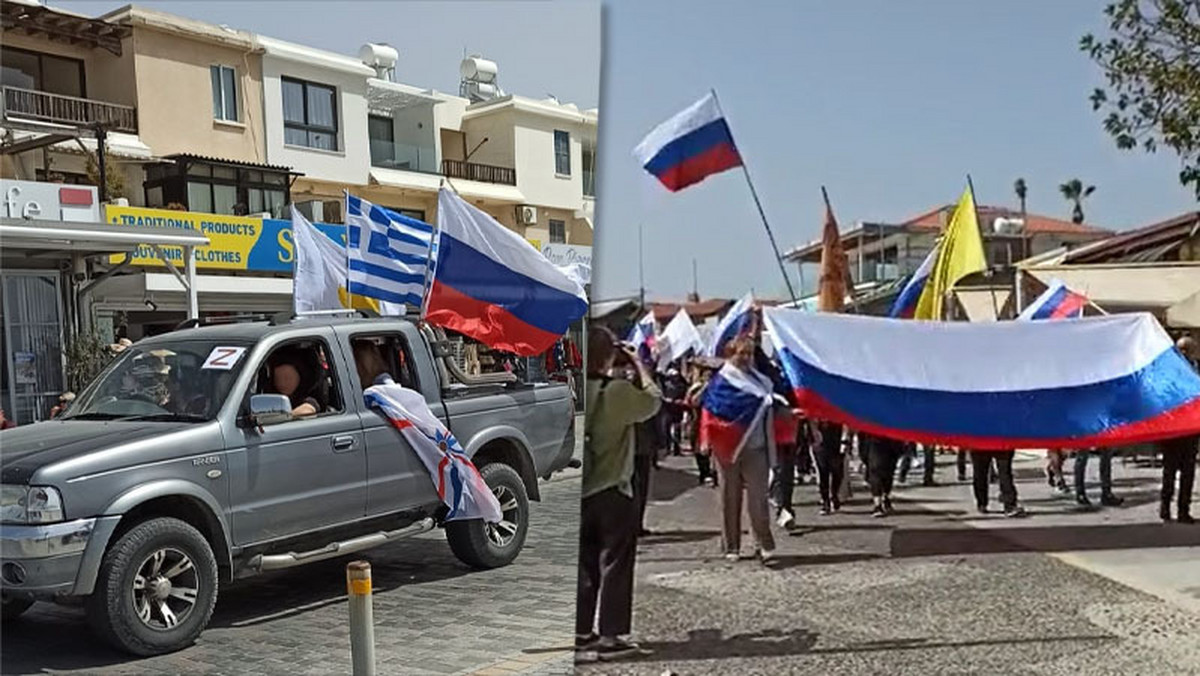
36	200
566	254
25	368
235	242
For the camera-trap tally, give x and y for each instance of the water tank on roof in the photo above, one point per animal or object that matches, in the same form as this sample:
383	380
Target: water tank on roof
478	69
1007	226
381	57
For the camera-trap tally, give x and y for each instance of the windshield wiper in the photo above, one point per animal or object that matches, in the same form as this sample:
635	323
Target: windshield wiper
92	416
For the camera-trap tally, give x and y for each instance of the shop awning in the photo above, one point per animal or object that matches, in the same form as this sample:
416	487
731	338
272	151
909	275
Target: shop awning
217	293
981	304
1186	313
472	190
1130	286
88	238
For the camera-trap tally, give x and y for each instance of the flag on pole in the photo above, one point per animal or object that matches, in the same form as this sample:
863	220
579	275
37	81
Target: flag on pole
388	253
734	403
1056	302
738	321
1101	381
905	305
642	337
320	268
835	268
492	285
677	338
960	254
689	147
458	482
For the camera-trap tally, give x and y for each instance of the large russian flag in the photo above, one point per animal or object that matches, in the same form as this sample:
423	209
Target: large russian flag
734	403
1056	302
905	305
1103	381
689	147
490	284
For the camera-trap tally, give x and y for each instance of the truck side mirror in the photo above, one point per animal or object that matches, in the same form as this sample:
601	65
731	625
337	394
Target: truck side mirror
269	409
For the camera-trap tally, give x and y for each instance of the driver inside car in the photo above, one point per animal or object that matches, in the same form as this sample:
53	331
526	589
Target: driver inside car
288	380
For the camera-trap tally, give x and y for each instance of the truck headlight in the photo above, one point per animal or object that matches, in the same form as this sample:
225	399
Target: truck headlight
30	504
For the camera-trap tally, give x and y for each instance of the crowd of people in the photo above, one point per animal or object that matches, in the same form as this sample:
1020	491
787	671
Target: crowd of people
636	414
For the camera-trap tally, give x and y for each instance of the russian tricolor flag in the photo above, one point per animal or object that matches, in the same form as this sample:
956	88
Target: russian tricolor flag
689	147
490	284
1056	302
1094	382
734	403
905	305
642	337
738	321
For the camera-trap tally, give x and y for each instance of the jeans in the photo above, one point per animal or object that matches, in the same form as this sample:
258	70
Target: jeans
981	462
607	554
1081	459
882	455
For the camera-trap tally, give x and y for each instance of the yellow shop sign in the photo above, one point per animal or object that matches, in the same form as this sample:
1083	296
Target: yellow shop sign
234	241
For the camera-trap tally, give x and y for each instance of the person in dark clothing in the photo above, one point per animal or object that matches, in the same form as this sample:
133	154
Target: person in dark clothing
647	444
1106	492
981	465
830	465
882	456
929	466
907	458
674	389
783	474
960	462
1179	455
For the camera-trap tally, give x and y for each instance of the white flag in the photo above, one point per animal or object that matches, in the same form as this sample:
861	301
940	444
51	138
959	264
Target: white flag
679	337
320	268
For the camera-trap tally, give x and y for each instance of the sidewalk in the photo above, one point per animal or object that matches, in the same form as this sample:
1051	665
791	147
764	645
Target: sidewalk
933	589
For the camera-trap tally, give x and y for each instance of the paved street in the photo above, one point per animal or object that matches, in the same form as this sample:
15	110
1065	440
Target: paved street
934	589
432	614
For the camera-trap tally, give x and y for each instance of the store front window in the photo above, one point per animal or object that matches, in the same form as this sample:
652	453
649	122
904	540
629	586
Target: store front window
31	323
213	187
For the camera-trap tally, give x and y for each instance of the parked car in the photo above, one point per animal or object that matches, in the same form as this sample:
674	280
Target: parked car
190	462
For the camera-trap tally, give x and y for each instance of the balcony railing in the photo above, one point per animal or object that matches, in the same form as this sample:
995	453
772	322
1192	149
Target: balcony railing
479	172
31	104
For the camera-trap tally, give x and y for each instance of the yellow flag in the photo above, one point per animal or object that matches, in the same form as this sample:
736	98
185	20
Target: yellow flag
961	254
359	302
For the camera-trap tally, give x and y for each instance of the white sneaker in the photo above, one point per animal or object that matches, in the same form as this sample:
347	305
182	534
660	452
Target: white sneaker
733	557
766	555
786	520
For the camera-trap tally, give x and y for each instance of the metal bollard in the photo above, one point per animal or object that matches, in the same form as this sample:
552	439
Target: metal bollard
362	622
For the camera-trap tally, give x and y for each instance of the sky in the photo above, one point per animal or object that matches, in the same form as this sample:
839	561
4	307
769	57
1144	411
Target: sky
541	47
888	105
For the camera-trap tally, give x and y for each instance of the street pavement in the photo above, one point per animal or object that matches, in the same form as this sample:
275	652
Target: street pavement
934	589
433	615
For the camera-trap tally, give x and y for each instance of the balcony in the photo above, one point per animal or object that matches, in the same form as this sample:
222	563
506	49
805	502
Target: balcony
484	173
30	104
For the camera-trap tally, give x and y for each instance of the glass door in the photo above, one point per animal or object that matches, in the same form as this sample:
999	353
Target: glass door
32	319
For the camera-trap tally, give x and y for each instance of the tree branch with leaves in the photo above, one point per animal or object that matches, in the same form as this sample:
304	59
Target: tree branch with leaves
1151	62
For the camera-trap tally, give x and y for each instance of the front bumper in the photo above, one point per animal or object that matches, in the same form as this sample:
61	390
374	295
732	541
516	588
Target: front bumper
44	559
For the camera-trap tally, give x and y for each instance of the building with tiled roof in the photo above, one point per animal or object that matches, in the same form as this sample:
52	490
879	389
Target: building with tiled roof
880	253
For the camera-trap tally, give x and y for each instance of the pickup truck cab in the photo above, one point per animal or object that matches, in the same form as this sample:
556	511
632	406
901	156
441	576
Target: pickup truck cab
216	452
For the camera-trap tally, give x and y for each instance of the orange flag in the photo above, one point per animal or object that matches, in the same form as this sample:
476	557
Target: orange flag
835	268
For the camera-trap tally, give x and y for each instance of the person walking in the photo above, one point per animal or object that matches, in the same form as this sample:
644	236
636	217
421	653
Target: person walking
743	463
830	463
1055	459
783	474
1179	455
1107	498
693	399
981	466
608	522
647	444
882	456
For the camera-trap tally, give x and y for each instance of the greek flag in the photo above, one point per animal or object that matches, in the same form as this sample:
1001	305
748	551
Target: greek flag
388	253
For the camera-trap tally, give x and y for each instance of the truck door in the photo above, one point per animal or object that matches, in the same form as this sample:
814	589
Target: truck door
309	472
396	477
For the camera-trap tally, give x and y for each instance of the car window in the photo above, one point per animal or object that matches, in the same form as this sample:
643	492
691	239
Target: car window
303	371
375	354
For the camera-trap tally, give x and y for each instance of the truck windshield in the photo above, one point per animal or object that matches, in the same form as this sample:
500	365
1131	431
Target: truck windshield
181	380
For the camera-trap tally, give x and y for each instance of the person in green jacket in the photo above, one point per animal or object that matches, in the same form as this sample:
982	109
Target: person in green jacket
609	523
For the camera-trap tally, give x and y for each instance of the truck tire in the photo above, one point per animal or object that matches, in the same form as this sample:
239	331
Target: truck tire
482	545
156	589
12	607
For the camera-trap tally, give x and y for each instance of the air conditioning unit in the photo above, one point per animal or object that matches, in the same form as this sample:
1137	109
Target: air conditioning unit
527	215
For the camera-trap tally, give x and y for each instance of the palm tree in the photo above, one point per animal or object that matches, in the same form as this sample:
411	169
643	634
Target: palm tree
1074	191
1021	190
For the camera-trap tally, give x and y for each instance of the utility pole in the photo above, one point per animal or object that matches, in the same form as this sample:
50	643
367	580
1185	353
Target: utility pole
641	273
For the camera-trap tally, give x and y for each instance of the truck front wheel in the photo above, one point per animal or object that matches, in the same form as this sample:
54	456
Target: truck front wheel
485	545
156	589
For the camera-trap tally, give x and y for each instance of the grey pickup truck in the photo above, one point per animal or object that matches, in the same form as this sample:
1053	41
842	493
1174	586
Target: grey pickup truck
216	452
